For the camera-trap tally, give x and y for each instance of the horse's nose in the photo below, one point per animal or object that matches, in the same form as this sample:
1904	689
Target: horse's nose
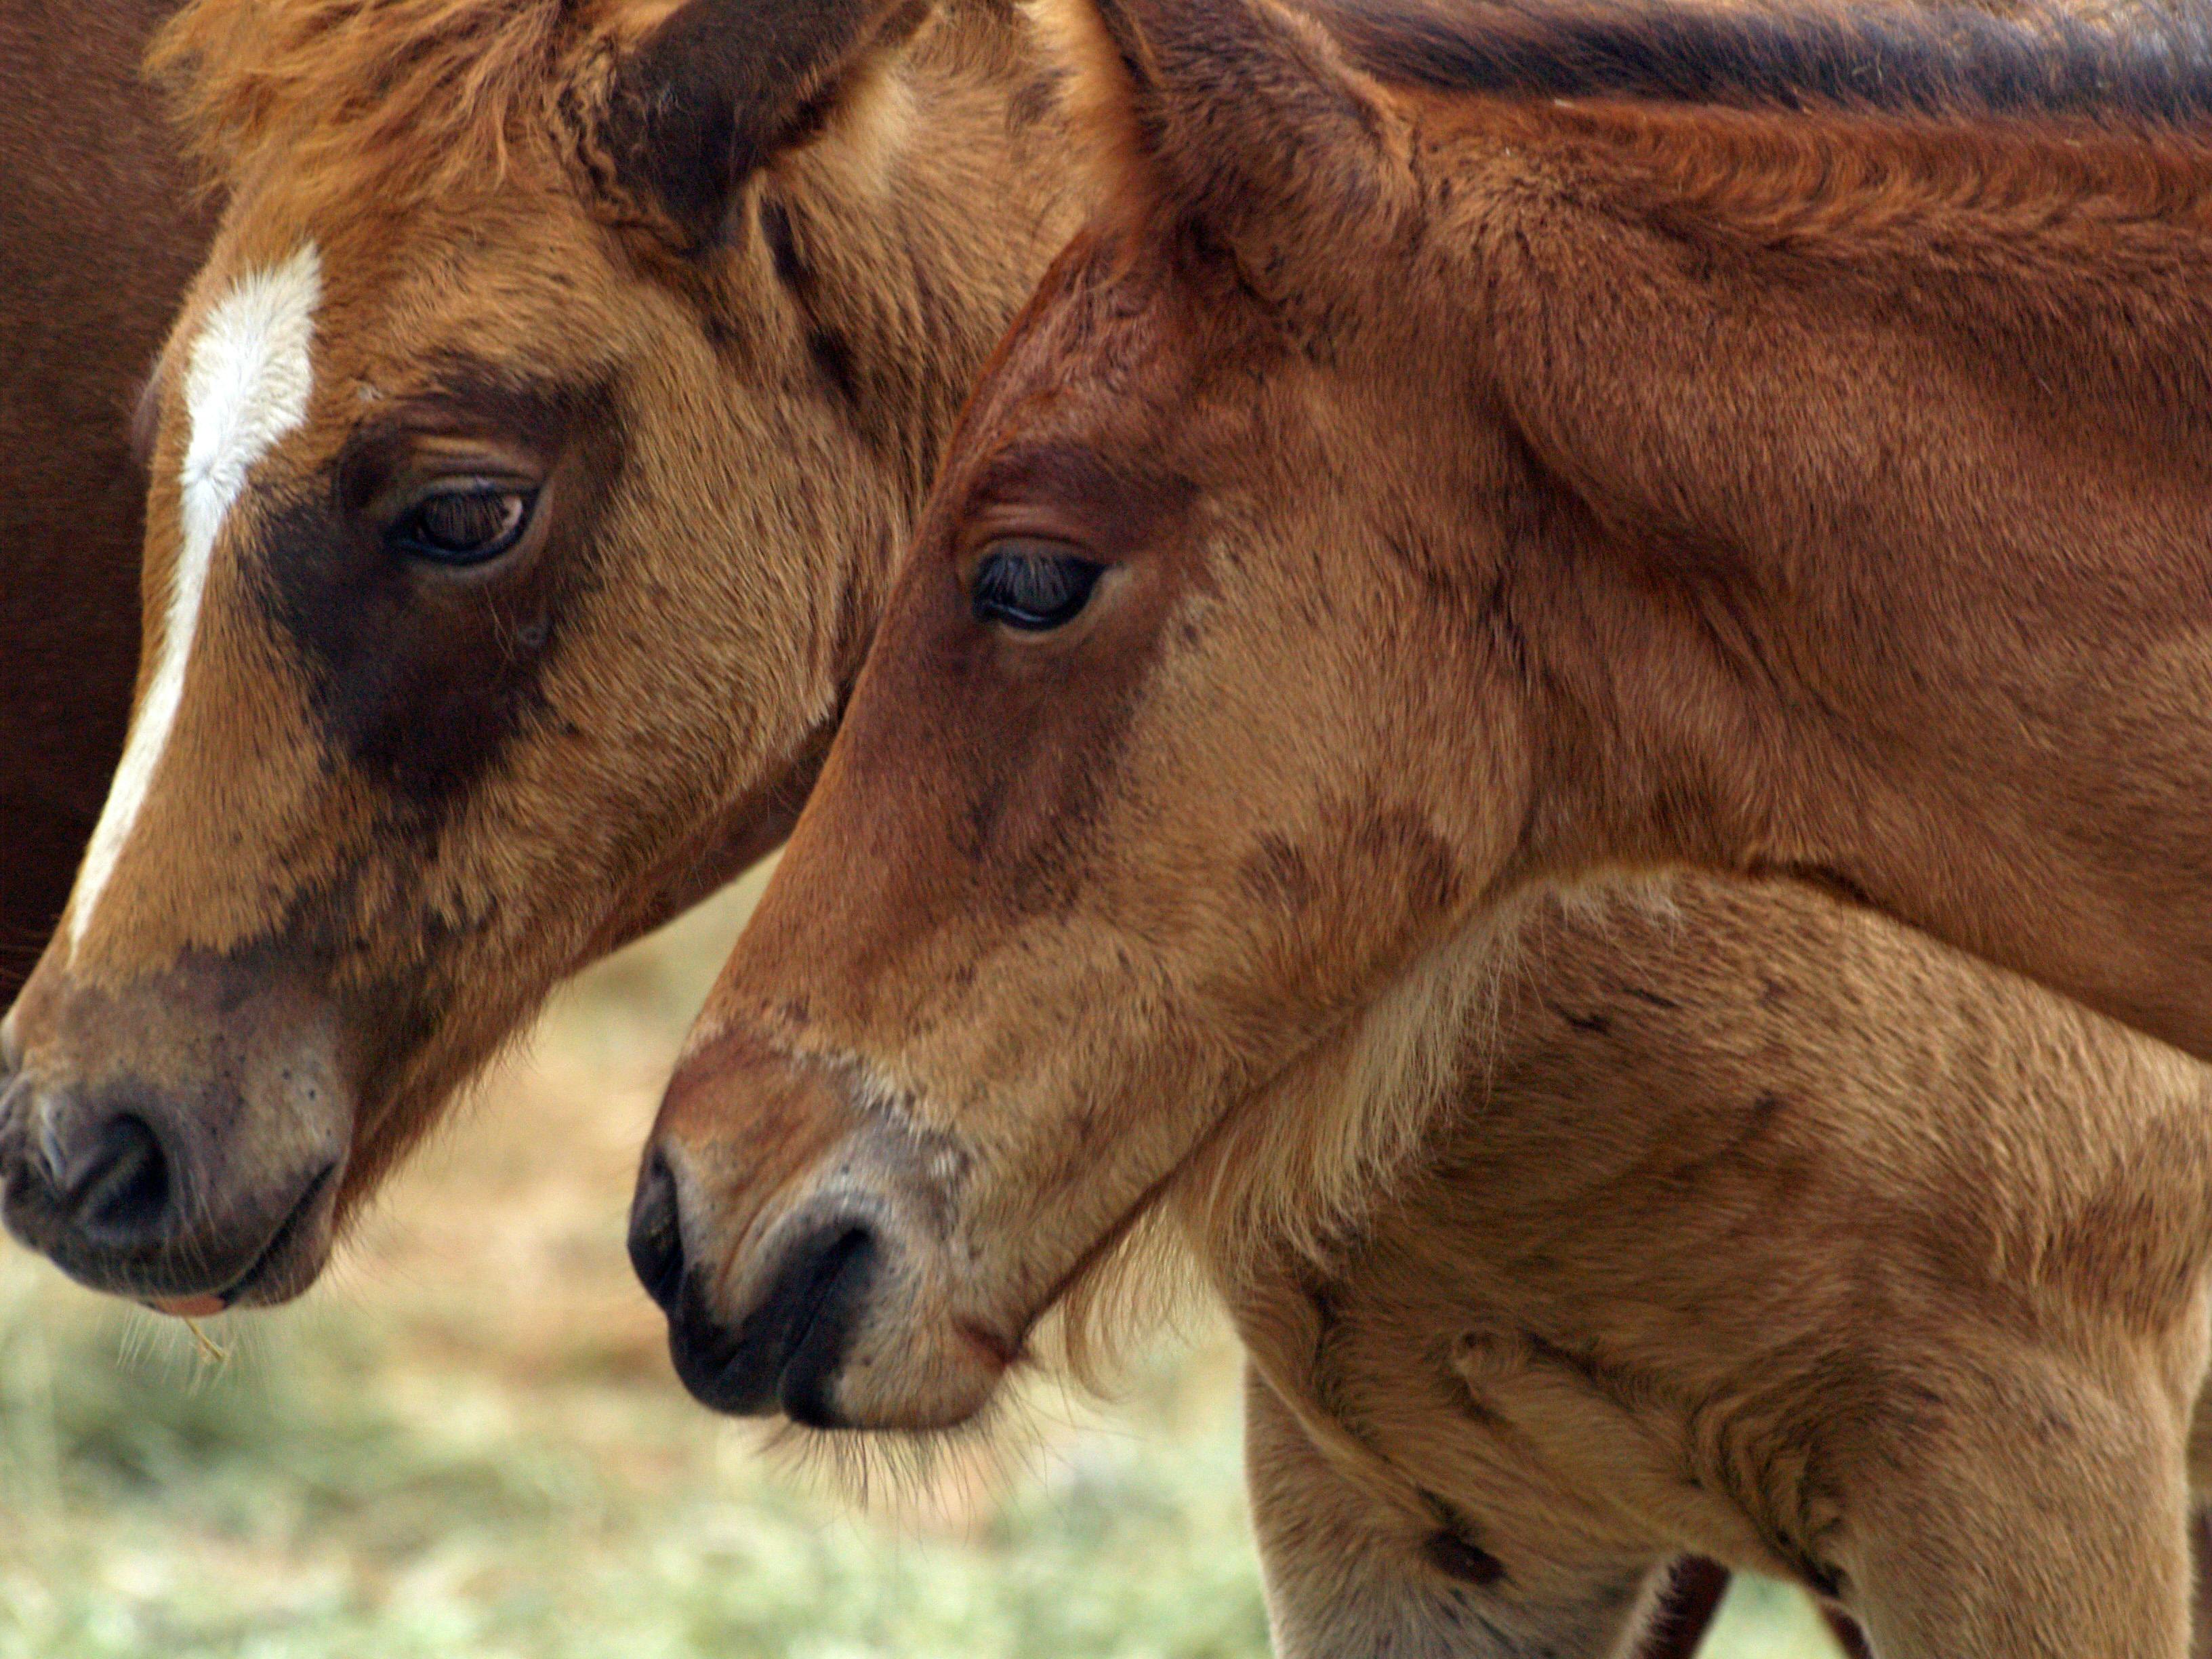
656	1232
105	1169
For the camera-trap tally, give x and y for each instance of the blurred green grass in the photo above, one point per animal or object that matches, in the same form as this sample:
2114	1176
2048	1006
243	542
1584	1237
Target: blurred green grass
470	1445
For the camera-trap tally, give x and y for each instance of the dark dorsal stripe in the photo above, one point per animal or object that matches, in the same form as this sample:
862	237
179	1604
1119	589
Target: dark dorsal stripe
2154	67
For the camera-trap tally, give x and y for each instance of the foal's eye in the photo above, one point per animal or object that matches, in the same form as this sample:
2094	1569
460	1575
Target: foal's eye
462	527
1034	585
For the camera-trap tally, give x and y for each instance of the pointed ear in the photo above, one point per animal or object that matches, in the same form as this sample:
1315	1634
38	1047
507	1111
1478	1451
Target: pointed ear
1240	116
719	86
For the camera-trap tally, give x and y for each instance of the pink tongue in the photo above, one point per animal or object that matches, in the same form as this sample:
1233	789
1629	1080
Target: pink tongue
191	1307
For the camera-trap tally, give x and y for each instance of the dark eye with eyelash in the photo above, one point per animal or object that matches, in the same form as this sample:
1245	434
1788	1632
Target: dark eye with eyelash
1032	585
462	527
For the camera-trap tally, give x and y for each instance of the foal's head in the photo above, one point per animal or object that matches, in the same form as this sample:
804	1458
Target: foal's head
1127	810
528	455
1254	649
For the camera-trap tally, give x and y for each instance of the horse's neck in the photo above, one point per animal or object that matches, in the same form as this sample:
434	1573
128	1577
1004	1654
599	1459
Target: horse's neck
1906	543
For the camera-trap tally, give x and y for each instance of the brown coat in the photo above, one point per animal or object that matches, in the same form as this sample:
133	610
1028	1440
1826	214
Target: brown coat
100	228
1715	1251
1773	441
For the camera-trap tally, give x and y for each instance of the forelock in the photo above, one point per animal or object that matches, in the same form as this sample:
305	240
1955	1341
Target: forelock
413	98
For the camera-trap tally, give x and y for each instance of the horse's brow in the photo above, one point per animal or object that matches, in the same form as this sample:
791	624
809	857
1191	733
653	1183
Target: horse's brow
538	408
1057	469
1113	504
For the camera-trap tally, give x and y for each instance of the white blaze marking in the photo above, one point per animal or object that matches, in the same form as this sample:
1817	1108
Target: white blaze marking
246	386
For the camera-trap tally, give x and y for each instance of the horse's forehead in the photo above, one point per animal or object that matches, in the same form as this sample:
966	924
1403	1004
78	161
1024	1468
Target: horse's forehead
236	381
384	331
1108	330
392	265
248	374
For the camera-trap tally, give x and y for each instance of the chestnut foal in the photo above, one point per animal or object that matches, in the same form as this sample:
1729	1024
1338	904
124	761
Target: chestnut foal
1621	437
798	194
532	210
526	461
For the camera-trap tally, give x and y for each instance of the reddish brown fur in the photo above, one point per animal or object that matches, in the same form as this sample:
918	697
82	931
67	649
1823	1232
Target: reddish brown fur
420	800
1584	245
1492	490
260	121
1714	1254
96	245
406	101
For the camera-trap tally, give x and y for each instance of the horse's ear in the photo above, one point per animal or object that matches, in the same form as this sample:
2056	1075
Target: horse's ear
719	86
1239	116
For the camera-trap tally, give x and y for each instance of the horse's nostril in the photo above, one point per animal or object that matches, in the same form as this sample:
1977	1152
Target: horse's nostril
656	1233
122	1191
829	1291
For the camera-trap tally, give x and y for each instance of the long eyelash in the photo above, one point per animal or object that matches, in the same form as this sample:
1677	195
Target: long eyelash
1049	587
1029	584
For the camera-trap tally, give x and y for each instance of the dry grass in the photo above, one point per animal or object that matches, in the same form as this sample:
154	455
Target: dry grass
469	1444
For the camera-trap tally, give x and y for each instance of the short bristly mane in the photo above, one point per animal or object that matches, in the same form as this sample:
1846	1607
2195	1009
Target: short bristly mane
2141	65
422	94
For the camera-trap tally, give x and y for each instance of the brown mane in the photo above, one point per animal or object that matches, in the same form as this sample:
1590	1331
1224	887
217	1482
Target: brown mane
425	97
2139	65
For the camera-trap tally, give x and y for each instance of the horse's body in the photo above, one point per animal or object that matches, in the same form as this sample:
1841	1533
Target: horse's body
100	231
1714	1254
396	802
1772	441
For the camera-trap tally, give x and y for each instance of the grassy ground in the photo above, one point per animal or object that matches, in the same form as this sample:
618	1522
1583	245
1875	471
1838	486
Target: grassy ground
470	1446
